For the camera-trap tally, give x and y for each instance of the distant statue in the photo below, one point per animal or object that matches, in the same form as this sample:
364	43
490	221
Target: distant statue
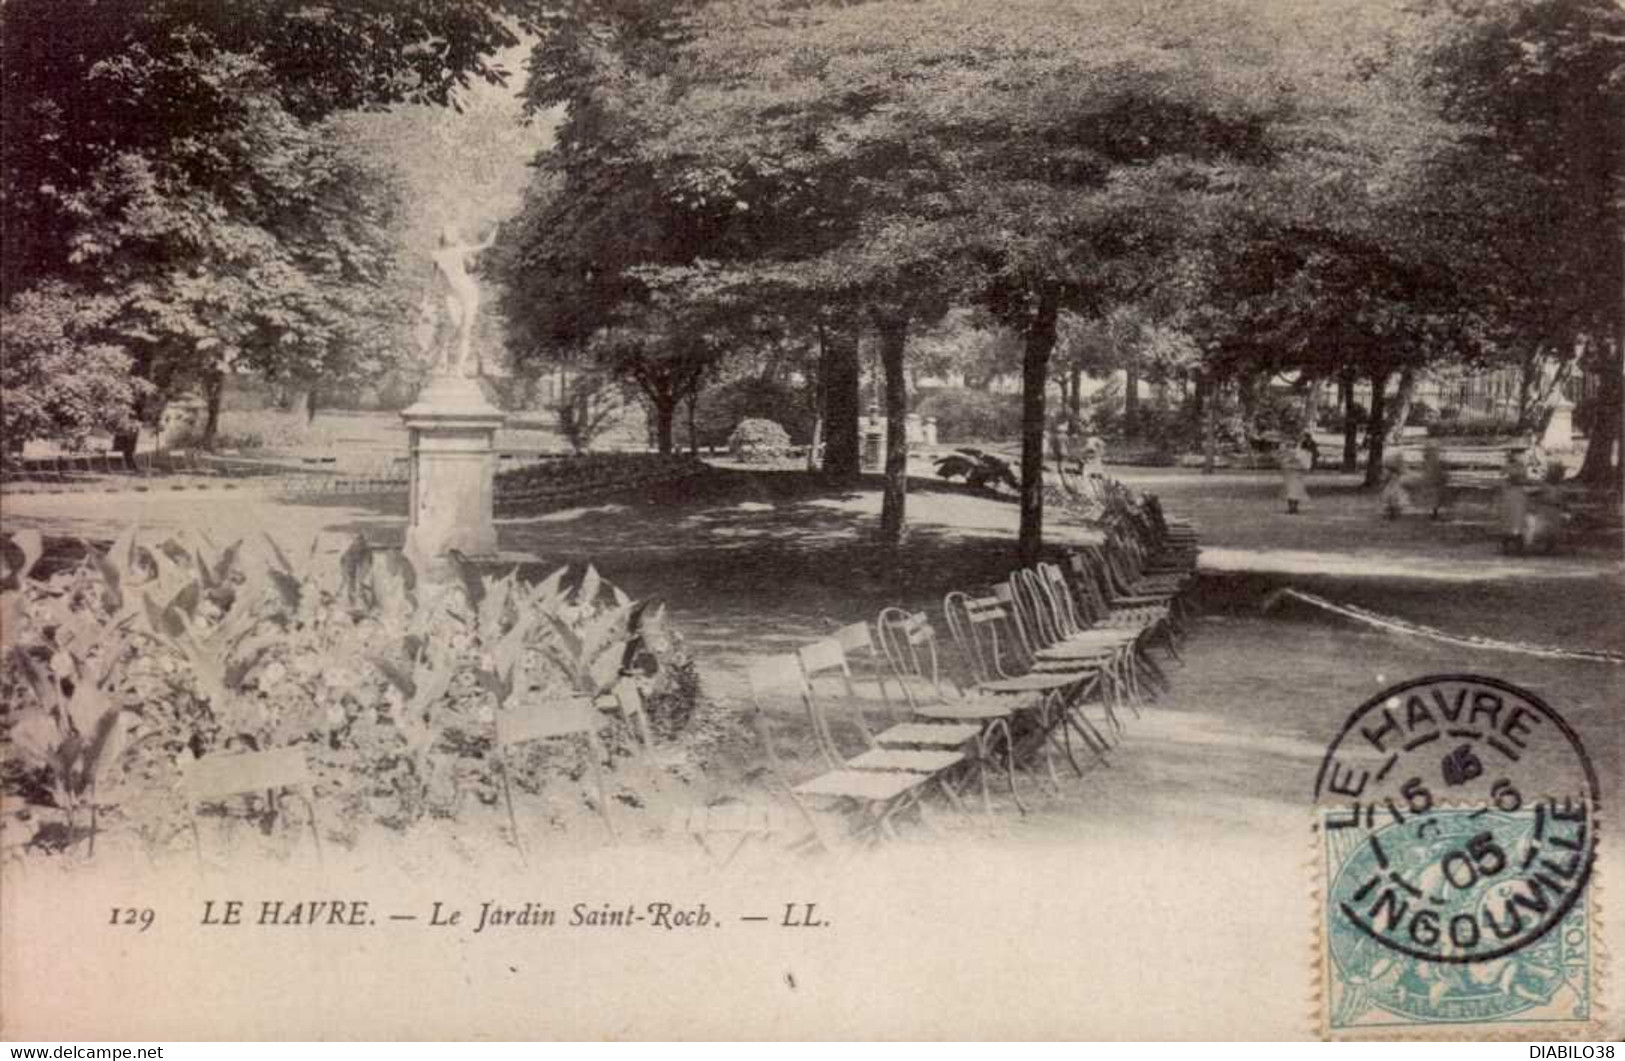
462	294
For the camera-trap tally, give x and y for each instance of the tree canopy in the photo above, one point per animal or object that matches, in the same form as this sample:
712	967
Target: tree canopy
182	160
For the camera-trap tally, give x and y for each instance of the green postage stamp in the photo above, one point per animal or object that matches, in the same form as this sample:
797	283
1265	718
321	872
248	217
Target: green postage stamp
1455	841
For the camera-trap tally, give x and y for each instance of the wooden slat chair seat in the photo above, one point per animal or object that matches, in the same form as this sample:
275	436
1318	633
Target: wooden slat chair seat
1051	643
1170	525
857	640
1140	563
1154	622
824	663
223	776
1041	634
1143	569
1049	583
878	786
1050	633
987	631
1119	591
948	734
871	799
986	637
909	644
1092	591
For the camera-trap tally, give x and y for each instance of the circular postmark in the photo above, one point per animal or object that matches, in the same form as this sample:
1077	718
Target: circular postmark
1460	817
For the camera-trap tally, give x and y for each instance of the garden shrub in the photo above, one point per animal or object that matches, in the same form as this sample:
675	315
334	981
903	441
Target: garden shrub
1474	426
144	657
965	415
588	475
722	409
1275	415
1331	416
759	441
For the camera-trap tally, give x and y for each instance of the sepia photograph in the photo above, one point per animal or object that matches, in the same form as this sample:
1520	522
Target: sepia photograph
812	520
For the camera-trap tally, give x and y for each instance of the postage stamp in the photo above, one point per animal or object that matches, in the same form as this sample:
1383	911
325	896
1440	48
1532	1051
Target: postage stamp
1456	837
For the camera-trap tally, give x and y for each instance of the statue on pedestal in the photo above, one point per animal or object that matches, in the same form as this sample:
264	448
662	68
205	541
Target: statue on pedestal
462	297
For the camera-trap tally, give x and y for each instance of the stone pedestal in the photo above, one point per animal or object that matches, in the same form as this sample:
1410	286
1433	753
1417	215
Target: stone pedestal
1559	436
451	429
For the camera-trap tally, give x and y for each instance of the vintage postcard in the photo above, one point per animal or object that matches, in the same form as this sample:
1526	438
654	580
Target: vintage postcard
913	519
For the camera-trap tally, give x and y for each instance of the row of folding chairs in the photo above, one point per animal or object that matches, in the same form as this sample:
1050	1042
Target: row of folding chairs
894	727
1079	632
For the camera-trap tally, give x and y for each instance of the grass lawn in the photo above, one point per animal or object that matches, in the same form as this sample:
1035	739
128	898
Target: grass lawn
753	563
1164	887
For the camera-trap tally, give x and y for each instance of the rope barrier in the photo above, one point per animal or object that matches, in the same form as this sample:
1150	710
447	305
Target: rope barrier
1405	626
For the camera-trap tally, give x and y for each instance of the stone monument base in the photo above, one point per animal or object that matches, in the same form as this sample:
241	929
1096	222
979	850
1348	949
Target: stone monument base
451	431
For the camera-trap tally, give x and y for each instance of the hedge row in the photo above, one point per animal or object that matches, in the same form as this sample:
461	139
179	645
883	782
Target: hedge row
590	475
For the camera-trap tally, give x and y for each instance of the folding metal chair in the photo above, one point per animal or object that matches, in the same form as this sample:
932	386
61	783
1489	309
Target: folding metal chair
985	636
823	662
909	644
864	656
1075	617
871	799
574	717
216	778
1049	636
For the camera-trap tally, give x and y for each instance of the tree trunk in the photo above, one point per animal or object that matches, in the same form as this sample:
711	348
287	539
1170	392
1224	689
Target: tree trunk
1528	386
1351	429
1376	429
838	368
1131	401
214	389
1247	398
1395	433
693	401
665	409
1075	393
1607	426
1039	343
893	332
1207	404
124	445
1309	407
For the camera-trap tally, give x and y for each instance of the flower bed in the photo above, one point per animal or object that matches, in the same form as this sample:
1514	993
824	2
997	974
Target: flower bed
591	475
126	667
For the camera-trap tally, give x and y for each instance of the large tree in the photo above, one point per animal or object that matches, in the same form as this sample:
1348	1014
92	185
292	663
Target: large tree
180	160
1031	157
1542	85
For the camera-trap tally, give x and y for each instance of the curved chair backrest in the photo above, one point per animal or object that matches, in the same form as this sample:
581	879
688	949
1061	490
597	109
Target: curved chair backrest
909	643
1033	626
983	634
857	641
771	680
1068	615
825	660
1086	580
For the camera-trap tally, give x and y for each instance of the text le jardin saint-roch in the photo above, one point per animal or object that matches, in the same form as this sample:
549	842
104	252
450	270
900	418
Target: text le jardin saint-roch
493	915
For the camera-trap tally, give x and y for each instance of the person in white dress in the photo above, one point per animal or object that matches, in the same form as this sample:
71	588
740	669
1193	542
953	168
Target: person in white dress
1295	465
